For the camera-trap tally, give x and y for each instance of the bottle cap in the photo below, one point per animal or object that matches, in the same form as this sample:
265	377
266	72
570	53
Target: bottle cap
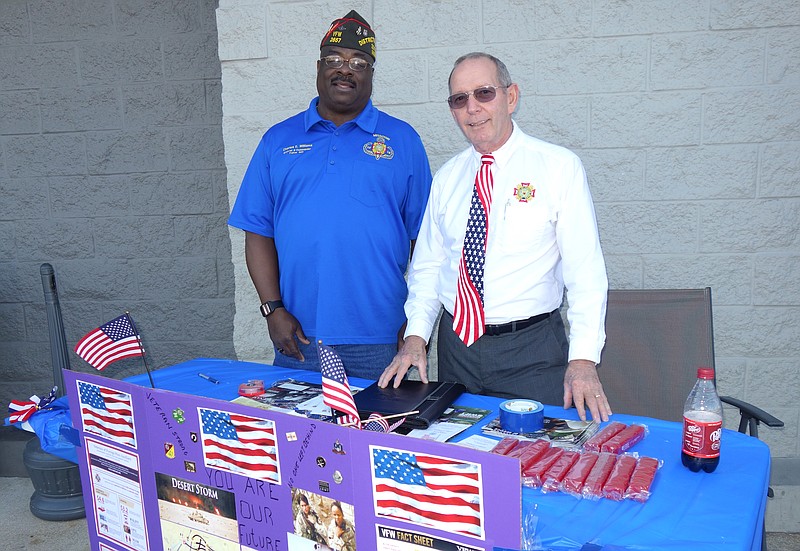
705	373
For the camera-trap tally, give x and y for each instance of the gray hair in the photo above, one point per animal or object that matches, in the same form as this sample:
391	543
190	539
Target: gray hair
502	71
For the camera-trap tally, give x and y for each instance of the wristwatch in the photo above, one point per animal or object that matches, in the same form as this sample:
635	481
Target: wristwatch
270	306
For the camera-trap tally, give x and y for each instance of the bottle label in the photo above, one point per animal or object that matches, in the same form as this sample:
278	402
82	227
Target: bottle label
702	438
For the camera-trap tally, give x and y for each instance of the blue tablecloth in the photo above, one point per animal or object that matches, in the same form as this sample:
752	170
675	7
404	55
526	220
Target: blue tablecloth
722	510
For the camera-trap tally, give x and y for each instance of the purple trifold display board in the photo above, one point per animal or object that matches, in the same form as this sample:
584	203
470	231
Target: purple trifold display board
172	471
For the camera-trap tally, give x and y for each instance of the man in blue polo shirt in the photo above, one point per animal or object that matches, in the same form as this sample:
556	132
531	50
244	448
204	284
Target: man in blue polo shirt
331	205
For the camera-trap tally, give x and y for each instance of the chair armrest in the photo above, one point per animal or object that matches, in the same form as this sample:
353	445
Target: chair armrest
751	416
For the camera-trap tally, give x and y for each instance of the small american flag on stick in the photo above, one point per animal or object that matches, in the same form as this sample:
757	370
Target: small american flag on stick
110	342
336	391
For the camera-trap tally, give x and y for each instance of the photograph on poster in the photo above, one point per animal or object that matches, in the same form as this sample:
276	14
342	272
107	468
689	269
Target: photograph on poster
107	412
117	494
240	444
321	523
428	490
196	515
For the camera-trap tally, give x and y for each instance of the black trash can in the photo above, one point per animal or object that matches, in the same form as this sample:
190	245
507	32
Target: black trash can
57	484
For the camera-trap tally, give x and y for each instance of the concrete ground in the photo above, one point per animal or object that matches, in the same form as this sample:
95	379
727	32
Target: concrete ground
21	531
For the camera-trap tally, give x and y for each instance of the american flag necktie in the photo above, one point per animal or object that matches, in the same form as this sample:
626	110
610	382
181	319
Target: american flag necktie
468	316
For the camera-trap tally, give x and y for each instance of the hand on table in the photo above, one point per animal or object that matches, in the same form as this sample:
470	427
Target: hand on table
412	353
583	388
283	328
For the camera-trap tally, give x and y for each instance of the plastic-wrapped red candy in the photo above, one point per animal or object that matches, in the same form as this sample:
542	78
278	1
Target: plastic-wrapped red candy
620	477
532	453
624	440
505	446
642	479
551	481
577	475
532	476
593	486
595	442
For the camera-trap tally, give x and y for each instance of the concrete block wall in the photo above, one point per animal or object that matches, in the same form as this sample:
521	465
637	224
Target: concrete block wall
112	170
685	113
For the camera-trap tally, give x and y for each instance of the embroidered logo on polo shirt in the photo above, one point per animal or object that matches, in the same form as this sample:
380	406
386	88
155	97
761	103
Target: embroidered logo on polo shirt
524	191
379	148
296	149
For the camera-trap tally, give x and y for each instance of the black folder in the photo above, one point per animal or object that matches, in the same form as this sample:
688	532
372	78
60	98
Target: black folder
429	399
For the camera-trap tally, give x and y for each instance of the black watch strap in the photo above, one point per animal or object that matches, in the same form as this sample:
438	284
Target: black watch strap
270	306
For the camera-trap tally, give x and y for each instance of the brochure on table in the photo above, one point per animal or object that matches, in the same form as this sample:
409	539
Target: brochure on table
166	470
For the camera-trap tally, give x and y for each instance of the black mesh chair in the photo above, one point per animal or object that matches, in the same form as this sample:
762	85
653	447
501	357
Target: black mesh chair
655	341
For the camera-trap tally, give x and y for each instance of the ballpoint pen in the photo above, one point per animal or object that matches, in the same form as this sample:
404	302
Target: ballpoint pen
209	379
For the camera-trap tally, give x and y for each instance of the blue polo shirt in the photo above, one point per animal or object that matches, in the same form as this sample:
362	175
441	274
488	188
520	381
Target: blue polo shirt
342	204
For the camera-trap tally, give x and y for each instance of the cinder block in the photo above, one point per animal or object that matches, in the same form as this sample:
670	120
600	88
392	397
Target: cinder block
519	21
157	18
198	148
86	196
24	198
127	151
131	238
752	115
186	278
398	77
12	322
399	28
242	32
780	166
776	279
592	66
16	24
637	228
659	119
51	155
783	55
167	104
734	14
702	173
561	120
20	111
172	193
612	17
124	61
30	67
728	275
614	174
96	279
79	109
64	22
39	240
202	234
702	60
191	55
760	225
758	332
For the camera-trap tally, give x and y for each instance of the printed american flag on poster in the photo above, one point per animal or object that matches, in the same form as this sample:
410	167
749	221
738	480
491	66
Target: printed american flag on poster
336	391
240	444
439	492
110	342
107	412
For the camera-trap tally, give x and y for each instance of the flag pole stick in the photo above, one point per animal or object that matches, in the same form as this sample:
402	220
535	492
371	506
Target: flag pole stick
141	347
394	415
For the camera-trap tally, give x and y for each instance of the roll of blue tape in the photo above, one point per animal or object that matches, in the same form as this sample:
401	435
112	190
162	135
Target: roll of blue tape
521	416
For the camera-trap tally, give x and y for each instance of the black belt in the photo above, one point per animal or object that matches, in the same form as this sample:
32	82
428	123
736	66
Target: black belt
510	327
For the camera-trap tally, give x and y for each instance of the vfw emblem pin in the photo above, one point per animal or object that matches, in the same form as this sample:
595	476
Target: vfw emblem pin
379	148
524	192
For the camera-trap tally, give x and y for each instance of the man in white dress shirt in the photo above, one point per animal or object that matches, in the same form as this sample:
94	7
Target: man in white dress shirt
532	232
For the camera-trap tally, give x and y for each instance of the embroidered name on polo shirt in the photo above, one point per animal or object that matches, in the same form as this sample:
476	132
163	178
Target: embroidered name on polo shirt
296	149
524	192
379	148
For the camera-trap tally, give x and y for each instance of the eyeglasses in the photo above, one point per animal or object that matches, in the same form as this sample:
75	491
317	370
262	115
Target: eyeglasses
337	62
484	94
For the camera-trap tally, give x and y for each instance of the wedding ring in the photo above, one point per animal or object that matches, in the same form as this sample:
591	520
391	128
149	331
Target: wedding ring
596	395
280	350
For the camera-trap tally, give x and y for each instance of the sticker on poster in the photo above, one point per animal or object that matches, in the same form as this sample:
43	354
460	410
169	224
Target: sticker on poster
394	539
